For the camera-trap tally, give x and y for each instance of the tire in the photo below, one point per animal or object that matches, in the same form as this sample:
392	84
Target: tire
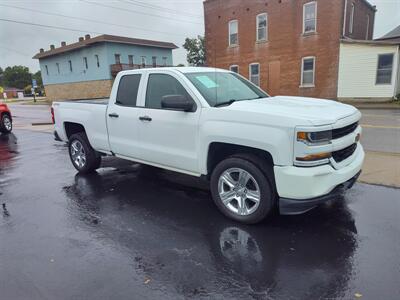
83	157
240	198
5	123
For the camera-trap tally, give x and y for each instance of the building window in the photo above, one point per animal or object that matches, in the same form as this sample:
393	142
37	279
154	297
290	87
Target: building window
117	59
85	64
130	60
262	27
351	28
233	33
144	61
58	68
310	17
165	61
385	69
234	68
154	60
308	72
47	69
97	60
70	65
254	71
367	31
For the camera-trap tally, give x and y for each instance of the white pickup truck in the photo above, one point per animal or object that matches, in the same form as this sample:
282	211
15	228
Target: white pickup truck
260	153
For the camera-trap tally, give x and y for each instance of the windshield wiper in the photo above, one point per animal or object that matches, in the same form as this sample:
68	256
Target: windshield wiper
227	103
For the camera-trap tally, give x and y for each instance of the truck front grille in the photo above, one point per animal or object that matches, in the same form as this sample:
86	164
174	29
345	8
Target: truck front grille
341	155
341	132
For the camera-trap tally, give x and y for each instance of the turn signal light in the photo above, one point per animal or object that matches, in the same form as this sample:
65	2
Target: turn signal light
314	157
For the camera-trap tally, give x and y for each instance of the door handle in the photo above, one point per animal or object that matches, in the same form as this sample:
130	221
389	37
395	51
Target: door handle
145	119
113	115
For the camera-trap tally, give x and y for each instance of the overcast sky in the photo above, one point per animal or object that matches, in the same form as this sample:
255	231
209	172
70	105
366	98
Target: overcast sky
164	20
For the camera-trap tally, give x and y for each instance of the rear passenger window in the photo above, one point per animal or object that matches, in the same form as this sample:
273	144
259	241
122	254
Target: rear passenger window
128	90
160	85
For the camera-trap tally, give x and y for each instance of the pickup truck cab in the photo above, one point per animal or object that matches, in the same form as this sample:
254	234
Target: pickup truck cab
260	153
5	119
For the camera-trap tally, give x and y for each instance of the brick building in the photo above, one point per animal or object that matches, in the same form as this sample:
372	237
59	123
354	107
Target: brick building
288	47
86	69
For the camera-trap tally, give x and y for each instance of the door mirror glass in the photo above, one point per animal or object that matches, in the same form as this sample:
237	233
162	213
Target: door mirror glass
178	102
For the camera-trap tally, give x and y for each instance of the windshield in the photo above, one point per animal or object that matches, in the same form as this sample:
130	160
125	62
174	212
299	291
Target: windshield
219	88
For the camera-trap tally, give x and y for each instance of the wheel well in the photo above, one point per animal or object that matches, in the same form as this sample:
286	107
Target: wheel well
219	151
72	128
5	113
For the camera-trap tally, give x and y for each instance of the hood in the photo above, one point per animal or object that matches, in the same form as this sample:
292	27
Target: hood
312	110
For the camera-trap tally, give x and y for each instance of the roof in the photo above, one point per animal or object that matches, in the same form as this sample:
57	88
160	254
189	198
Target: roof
184	70
394	34
369	42
105	38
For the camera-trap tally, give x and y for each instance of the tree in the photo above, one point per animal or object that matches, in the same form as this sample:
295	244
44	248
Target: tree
38	77
1	76
17	76
196	54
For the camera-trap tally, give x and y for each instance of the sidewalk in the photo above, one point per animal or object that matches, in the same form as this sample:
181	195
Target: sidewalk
381	168
373	105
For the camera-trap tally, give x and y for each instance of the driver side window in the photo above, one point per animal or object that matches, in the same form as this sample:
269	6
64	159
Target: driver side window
160	85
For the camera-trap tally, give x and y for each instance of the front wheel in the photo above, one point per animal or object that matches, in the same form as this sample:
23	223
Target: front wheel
83	157
242	191
5	124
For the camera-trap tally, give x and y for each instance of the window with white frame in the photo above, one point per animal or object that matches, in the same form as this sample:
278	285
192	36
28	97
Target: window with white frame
130	60
308	72
70	65
144	61
351	26
165	59
262	27
385	68
310	17
233	33
85	63
234	68
47	69
254	72
58	68
97	61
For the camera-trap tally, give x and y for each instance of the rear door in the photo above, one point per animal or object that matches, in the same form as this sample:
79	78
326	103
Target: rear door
167	137
122	117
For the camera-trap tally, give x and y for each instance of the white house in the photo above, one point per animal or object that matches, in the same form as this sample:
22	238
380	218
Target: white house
369	70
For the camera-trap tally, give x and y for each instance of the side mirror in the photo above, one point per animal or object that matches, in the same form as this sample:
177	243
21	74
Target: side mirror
178	102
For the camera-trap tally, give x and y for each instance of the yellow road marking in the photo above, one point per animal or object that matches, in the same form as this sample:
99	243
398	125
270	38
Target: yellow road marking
379	126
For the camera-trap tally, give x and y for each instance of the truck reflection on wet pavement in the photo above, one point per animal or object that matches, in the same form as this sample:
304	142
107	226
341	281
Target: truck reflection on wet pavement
137	232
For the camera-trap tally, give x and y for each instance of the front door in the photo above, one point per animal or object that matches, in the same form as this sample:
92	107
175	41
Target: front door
167	137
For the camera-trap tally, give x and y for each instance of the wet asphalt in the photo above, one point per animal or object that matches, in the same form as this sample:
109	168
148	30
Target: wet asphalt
136	232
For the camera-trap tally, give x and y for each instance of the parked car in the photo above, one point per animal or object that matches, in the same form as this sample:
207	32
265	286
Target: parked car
5	119
258	152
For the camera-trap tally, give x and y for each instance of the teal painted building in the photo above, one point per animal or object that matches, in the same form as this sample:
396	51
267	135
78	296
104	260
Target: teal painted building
78	70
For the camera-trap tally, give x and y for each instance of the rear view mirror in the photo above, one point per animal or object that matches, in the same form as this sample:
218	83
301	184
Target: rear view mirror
178	102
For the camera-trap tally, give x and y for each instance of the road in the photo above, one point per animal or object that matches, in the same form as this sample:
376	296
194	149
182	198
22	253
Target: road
136	232
381	130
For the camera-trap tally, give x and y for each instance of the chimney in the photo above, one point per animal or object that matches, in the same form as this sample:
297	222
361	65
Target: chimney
52	47
63	44
81	39
87	36
41	50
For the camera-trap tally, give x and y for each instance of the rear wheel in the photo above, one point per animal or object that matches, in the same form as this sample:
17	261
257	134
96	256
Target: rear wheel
242	191
84	158
5	123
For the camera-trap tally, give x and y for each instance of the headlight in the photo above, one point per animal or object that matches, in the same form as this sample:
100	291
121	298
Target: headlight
315	138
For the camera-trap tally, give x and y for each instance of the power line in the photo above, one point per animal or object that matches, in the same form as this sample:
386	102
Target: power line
88	20
16	51
48	26
139	12
172	11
